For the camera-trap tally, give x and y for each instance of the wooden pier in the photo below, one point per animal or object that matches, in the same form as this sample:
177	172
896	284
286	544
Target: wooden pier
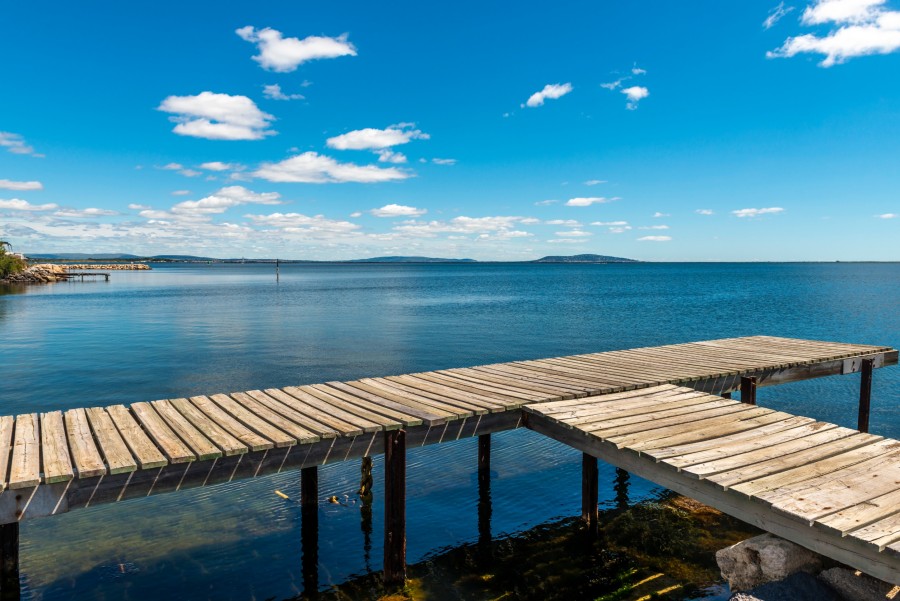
787	474
85	274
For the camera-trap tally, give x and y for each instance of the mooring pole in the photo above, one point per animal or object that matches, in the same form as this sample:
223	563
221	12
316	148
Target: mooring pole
865	394
589	492
395	507
277	270
748	390
309	529
9	562
484	495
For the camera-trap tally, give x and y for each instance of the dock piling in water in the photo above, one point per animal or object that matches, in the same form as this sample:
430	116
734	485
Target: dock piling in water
590	485
395	507
865	394
748	390
309	529
9	562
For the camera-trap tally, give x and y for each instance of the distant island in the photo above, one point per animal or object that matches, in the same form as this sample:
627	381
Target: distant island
111	257
584	259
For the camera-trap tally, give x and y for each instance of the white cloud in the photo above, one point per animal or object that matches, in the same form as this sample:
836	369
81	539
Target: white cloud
313	168
15	144
564	241
217	117
638	71
444	161
756	212
90	212
887	216
594	182
551	90
704	212
373	139
464	225
654	227
394	210
619	230
635	94
224	199
610	223
543	203
385	155
565	222
273	92
297	223
190	173
588	201
776	14
654	239
863	27
181	192
172	166
17	204
220	166
658	214
574	234
356	214
283	55
138	207
612	85
7	184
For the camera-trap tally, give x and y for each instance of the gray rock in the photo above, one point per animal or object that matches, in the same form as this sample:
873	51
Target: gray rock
856	587
797	587
762	559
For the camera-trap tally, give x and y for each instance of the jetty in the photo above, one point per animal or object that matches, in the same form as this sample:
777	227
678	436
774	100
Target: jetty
663	413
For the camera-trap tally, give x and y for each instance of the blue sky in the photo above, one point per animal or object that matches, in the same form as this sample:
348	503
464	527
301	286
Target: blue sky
704	130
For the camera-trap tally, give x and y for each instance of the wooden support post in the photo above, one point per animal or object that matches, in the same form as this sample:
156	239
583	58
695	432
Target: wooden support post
748	390
309	529
484	456
589	492
484	496
395	507
9	562
726	395
865	394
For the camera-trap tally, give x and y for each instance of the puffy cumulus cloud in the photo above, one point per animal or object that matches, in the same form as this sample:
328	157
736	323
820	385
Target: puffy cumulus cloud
565	222
371	138
860	28
609	223
544	203
313	168
776	14
89	212
655	239
657	215
574	234
386	155
7	184
222	200
704	212
587	201
220	166
654	227
138	207
297	223
756	212
498	227
17	204
283	55
887	216
635	94
16	144
550	91
217	117
273	92
395	210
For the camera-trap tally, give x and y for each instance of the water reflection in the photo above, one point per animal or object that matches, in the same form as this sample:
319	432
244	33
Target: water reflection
620	486
366	497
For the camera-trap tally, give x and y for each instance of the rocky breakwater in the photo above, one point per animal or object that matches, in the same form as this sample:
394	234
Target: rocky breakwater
43	273
109	266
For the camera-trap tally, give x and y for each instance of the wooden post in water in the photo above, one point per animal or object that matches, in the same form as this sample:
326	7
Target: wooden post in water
277	270
589	492
395	507
748	390
309	529
865	394
9	562
484	495
484	456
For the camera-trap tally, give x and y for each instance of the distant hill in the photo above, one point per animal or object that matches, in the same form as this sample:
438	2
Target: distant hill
584	259
410	260
82	256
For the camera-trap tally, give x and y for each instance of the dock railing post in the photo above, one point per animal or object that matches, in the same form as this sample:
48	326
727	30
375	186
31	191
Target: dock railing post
9	562
589	493
748	390
395	507
309	529
865	394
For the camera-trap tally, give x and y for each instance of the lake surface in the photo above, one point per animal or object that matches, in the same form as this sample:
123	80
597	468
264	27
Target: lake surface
183	330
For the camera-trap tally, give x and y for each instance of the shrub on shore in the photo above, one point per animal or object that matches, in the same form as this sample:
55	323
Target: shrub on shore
9	264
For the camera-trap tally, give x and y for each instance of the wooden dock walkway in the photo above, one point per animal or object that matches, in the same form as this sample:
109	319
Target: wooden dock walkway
59	461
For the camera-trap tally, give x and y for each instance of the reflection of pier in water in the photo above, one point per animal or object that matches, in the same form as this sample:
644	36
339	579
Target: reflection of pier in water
648	411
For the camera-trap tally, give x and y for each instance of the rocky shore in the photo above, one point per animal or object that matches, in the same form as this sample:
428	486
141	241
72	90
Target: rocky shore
43	273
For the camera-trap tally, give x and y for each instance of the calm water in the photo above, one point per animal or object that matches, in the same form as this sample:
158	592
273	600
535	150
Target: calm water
202	329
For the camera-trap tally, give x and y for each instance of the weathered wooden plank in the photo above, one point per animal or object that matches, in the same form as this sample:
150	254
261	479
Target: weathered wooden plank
85	455
164	437
252	421
228	443
146	453
7	424
426	413
311	425
307	405
202	447
296	431
254	441
25	470
855	517
57	464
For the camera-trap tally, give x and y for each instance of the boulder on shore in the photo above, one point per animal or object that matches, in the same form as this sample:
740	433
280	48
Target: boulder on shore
43	273
762	559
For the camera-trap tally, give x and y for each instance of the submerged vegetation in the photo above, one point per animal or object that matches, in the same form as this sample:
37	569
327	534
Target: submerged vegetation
10	264
664	549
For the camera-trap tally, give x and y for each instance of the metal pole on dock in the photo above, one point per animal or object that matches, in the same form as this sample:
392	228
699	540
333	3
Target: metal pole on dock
9	562
590	492
309	529
395	507
865	394
748	390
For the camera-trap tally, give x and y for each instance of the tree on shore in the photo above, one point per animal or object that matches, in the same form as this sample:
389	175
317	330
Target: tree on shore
9	264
